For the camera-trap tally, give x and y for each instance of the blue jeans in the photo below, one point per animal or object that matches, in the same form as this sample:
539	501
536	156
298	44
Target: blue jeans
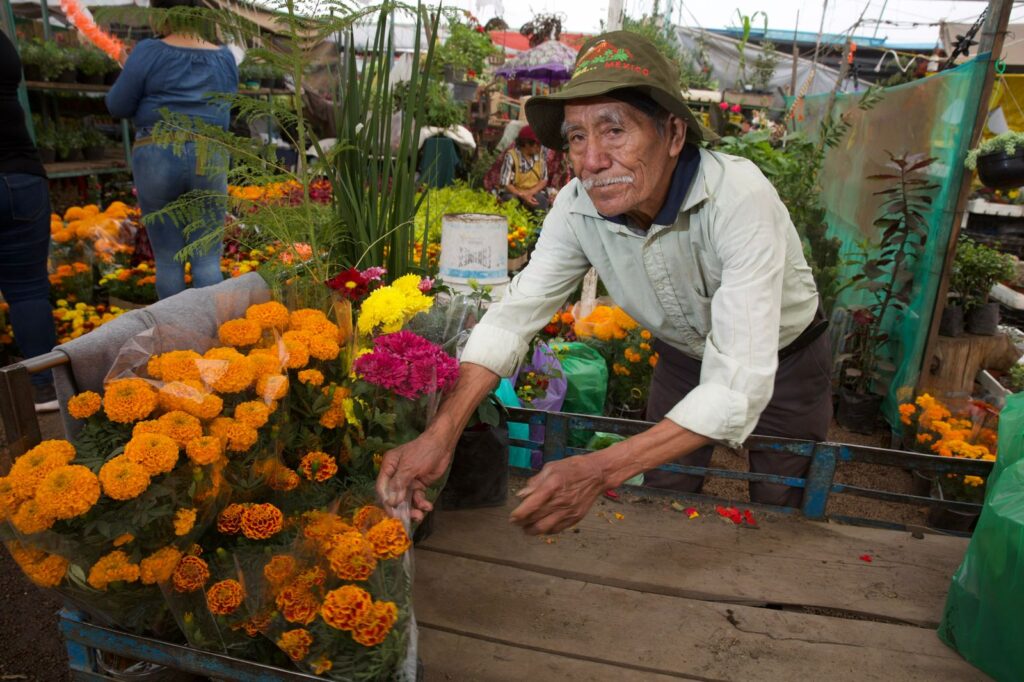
161	176
24	247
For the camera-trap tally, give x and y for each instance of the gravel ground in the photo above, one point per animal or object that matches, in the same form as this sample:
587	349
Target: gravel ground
32	650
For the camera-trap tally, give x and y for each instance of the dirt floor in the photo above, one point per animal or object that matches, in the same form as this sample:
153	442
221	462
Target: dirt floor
31	648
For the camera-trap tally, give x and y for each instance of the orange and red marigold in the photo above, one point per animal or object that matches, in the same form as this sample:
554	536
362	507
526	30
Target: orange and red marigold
295	643
191	574
344	607
389	539
318	466
224	597
261	521
297	603
351	556
375	625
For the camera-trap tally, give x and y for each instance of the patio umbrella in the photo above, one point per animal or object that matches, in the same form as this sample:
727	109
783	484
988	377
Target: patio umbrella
550	61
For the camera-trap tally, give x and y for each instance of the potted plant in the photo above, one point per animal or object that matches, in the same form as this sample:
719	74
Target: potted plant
976	268
886	278
464	54
94	144
249	73
31	53
999	161
69	144
46	142
53	62
93	65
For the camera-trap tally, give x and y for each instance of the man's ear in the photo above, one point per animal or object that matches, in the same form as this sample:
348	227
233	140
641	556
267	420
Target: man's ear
676	135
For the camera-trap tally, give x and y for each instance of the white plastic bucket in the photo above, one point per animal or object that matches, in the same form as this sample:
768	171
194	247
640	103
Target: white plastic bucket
474	246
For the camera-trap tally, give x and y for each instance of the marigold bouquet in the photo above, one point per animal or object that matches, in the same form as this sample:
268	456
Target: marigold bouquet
628	350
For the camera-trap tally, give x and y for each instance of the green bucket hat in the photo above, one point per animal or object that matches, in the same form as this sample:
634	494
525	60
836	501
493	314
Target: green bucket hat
608	62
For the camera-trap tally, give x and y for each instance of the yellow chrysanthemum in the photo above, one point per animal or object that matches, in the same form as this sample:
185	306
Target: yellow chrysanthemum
158	566
123	479
85	404
156	452
408	284
184	520
181	426
270	315
129	400
311	377
253	413
113	567
383	310
68	491
241	332
204	450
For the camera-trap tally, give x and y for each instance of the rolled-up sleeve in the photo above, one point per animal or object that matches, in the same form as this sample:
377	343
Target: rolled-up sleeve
556	267
741	352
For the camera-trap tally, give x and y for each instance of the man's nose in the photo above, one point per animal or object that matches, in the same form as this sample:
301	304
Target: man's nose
595	159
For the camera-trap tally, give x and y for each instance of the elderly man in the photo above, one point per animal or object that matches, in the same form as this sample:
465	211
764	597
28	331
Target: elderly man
697	247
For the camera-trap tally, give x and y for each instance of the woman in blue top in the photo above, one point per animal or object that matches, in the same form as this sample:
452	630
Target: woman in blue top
179	72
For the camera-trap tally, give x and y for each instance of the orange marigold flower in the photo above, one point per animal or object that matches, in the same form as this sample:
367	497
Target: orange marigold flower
177	365
30	468
156	452
241	332
147	426
123	539
311	377
204	450
123	479
181	426
282	478
224	597
320	526
345	607
229	521
190	574
158	566
265	361
253	413
68	491
297	603
335	415
368	516
184	520
44	570
375	625
321	665
296	353
351	556
129	400
907	411
8	498
272	387
257	624
30	519
113	567
389	539
303	317
226	370
190	397
261	521
295	643
84	405
323	347
318	466
270	315
279	569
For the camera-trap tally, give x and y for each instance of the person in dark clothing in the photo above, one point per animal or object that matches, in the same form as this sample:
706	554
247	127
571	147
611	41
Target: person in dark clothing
24	229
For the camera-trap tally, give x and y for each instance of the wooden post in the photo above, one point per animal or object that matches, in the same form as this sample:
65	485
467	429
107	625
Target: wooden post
614	15
796	56
993	34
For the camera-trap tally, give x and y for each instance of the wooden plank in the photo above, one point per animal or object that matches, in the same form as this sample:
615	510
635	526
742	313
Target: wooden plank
656	634
444	656
786	562
957	361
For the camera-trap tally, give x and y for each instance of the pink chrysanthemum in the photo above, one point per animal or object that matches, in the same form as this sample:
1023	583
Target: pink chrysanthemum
408	365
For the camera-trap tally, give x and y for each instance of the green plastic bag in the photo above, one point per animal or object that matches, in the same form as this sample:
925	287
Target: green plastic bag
587	374
982	620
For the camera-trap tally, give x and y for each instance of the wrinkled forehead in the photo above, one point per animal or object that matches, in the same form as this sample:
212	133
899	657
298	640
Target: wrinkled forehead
581	113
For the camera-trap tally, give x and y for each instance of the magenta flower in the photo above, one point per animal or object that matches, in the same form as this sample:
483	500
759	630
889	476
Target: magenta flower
373	274
426	284
407	365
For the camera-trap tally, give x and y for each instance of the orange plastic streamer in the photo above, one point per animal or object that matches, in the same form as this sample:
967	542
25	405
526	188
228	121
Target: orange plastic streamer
82	19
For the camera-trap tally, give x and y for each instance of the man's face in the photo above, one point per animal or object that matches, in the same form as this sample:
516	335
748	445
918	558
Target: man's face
624	163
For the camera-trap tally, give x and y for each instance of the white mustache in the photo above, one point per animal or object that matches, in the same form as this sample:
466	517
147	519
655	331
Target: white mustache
590	183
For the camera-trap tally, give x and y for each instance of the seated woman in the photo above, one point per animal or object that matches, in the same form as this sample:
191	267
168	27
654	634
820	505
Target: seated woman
524	172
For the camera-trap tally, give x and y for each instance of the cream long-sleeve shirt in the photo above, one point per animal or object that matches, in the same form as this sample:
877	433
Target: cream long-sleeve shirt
726	283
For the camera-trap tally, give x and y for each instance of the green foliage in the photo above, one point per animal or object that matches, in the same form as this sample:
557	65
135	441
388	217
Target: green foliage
764	66
1007	142
440	108
976	268
93	62
694	66
51	59
887	274
467	47
1017	377
459	198
746	25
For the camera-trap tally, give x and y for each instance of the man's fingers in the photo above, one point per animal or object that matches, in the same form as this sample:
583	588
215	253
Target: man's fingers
420	502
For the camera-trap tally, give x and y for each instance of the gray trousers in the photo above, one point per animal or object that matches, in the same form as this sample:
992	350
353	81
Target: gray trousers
801	407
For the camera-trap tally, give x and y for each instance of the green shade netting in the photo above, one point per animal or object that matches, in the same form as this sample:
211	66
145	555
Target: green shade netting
933	116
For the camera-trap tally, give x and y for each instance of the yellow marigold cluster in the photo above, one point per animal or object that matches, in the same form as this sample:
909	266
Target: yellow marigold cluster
345	607
176	365
311	377
261	521
180	426
270	315
340	409
253	413
907	410
129	400
85	404
67	491
190	397
44	570
159	566
295	643
184	520
113	567
351	556
240	332
389	539
318	466
204	450
375	625
190	574
226	370
156	452
224	597
123	479
931	411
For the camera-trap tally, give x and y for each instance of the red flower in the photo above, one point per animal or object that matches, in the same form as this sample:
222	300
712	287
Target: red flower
723	105
470	73
735	108
479	29
866	558
349	284
731	513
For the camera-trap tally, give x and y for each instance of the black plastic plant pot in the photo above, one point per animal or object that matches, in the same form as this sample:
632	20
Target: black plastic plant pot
950	519
479	472
984	320
858	412
1000	170
952	321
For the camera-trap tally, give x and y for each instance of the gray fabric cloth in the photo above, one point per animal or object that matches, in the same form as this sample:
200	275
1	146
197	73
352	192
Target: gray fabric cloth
191	318
800	407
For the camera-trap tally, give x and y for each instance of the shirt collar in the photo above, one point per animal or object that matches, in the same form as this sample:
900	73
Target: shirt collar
682	179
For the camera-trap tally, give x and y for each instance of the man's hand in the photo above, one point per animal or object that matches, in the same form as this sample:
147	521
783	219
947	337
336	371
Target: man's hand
560	495
407	470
